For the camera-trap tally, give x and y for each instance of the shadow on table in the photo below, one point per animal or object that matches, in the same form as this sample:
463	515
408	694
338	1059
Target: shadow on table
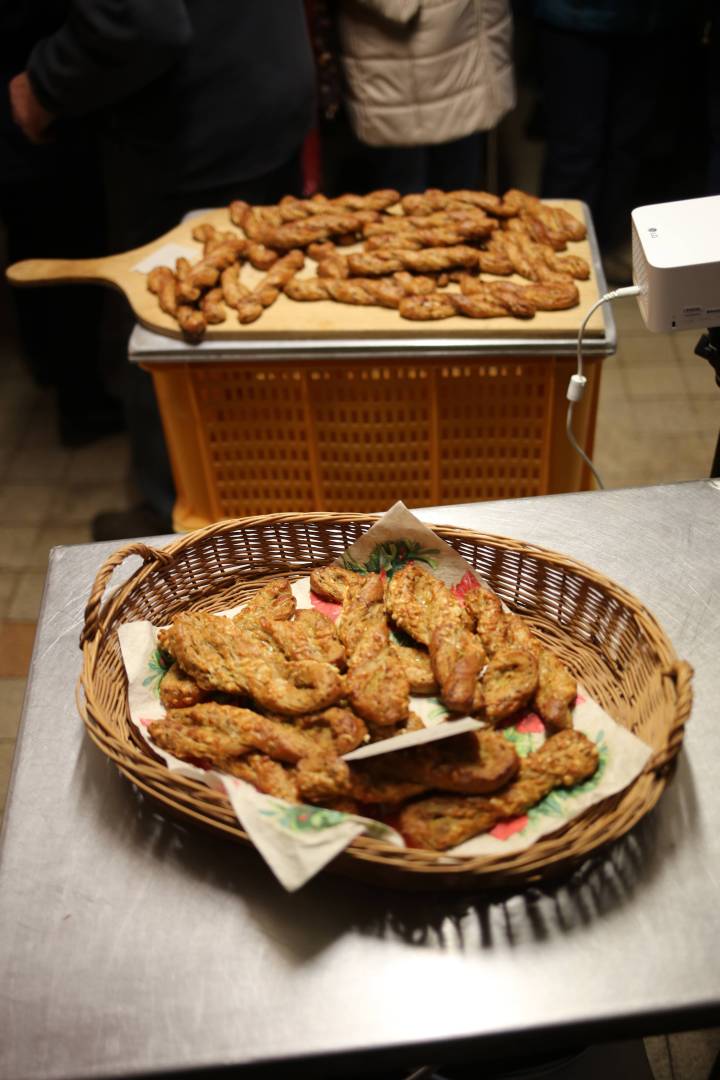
458	922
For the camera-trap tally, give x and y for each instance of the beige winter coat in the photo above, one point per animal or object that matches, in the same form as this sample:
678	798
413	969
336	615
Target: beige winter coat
422	72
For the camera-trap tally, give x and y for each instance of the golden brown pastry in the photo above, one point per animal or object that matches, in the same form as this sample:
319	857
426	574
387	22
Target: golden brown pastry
212	306
375	200
552	296
509	682
418	668
265	774
478	306
457	657
273	601
433	234
178	690
337	728
232	288
378	688
332	582
214	732
309	636
556	692
260	256
363	626
429	307
192	323
473	763
416	600
350	291
217	653
295	687
162	282
307	289
443	822
484	608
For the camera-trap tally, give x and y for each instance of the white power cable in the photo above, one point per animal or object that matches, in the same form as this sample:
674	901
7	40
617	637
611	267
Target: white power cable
578	381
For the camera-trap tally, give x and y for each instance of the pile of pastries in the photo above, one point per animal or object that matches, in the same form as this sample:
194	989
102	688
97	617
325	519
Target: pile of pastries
276	696
429	256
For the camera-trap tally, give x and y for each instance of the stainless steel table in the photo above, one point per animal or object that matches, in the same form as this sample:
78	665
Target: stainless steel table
129	944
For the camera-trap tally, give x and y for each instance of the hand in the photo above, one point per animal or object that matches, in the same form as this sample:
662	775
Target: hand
29	114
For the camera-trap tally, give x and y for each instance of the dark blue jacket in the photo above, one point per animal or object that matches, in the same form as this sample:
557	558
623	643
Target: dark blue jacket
614	16
207	92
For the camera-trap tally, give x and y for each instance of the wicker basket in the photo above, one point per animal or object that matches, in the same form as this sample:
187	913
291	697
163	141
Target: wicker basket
604	633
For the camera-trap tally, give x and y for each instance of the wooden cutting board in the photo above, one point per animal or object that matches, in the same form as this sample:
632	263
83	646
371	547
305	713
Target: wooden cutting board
288	318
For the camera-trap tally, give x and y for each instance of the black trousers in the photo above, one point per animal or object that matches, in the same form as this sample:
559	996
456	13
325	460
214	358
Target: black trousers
603	98
53	206
411	169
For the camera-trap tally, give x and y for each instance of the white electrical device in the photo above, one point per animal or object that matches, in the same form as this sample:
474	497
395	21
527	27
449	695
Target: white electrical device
676	263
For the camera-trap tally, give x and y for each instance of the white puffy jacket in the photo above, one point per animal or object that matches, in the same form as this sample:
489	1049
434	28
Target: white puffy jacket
421	72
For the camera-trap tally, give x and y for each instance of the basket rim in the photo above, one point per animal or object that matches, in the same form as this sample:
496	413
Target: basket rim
129	757
152	556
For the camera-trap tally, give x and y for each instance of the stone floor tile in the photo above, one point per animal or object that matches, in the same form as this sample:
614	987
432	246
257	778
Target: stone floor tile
7	752
684	342
38	464
705	443
658	1056
9	580
16	542
16	645
707	411
78	503
42	426
106	460
693	1053
634	460
26	504
16	408
13	365
6	456
699	379
646	350
12	696
26	600
668	417
628	319
612	384
654	381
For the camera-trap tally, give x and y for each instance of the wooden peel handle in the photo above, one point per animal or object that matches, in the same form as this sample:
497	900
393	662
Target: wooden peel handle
55	271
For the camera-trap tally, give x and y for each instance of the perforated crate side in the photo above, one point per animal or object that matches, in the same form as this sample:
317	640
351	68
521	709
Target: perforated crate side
356	436
494	420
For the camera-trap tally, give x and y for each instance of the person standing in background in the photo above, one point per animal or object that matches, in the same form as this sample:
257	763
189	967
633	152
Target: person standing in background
198	102
52	205
425	80
604	66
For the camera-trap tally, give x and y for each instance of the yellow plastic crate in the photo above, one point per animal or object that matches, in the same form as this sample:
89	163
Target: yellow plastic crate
257	438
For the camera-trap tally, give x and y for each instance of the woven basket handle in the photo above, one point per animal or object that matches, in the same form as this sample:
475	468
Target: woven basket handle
681	674
92	608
